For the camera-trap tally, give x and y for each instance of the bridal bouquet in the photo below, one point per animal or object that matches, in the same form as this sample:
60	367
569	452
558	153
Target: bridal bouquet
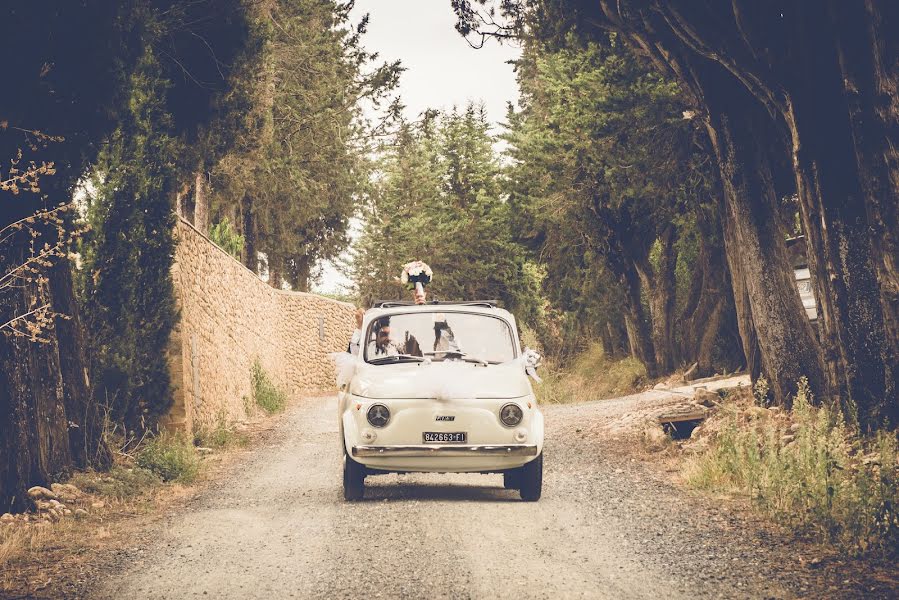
415	273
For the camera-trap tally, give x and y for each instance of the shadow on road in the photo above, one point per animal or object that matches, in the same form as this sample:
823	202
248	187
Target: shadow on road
436	492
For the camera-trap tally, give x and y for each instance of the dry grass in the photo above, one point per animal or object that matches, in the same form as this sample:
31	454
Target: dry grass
806	469
592	376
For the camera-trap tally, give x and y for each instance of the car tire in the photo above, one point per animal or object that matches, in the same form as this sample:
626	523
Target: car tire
532	480
512	479
353	479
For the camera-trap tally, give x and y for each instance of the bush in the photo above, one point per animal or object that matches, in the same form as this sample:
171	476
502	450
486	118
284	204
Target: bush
266	394
815	473
172	457
226	237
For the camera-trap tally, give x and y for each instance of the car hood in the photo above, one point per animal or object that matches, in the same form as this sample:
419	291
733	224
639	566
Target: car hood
441	380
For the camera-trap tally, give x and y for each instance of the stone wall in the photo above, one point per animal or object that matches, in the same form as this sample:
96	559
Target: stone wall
229	318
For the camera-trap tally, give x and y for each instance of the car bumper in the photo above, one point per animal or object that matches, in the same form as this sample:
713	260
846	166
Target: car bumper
421	450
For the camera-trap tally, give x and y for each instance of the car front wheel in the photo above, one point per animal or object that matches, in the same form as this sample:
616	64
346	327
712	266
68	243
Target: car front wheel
353	479
531	479
512	479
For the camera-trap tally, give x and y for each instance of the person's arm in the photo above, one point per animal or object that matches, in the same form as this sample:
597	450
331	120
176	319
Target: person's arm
357	333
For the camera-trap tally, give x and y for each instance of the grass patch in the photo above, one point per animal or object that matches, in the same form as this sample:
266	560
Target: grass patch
265	393
119	482
592	376
171	457
13	542
808	470
220	437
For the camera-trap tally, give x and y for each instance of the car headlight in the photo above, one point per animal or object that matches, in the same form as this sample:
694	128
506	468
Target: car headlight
510	414
378	415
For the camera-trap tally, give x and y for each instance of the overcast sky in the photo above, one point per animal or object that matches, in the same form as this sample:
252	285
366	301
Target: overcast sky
441	68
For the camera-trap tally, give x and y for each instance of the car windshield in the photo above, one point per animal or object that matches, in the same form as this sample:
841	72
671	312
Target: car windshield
439	336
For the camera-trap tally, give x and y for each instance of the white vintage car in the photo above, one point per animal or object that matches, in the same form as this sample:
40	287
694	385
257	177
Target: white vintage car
441	388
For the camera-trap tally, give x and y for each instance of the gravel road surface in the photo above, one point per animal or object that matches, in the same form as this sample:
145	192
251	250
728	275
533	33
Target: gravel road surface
275	525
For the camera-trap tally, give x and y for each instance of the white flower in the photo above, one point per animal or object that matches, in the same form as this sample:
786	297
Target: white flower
415	269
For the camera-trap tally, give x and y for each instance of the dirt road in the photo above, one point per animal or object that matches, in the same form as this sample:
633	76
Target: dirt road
276	526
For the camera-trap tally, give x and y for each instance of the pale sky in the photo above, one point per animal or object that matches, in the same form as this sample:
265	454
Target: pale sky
441	68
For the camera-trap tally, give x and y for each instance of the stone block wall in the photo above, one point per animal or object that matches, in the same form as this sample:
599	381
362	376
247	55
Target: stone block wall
229	318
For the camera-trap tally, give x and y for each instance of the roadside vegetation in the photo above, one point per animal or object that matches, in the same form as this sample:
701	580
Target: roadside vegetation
171	456
266	394
591	375
807	469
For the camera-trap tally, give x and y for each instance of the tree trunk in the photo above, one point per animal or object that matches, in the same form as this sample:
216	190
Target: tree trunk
34	445
867	53
274	276
637	323
702	325
605	338
756	250
659	284
248	231
86	442
201	203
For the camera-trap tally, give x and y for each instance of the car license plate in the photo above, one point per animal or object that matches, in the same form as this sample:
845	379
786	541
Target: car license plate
444	437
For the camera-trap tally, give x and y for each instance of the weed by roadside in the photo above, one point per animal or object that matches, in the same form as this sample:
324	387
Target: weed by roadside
222	435
591	376
171	456
266	394
807	469
119	482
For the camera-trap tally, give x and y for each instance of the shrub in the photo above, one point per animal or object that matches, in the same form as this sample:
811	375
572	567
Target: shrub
266	394
816	474
172	457
226	237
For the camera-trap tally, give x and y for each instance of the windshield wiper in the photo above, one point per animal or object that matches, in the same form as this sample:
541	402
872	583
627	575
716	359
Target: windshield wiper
396	358
463	355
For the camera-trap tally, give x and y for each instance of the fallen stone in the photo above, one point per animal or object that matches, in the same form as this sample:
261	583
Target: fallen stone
99	504
660	386
56	504
7	518
80	513
706	398
66	491
654	438
67	512
42	505
41	493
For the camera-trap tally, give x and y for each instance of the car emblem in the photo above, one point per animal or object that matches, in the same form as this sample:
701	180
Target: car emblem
446	418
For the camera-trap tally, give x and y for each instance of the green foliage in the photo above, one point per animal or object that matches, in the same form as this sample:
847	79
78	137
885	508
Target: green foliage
226	237
818	475
603	161
440	199
265	393
304	163
172	457
127	281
